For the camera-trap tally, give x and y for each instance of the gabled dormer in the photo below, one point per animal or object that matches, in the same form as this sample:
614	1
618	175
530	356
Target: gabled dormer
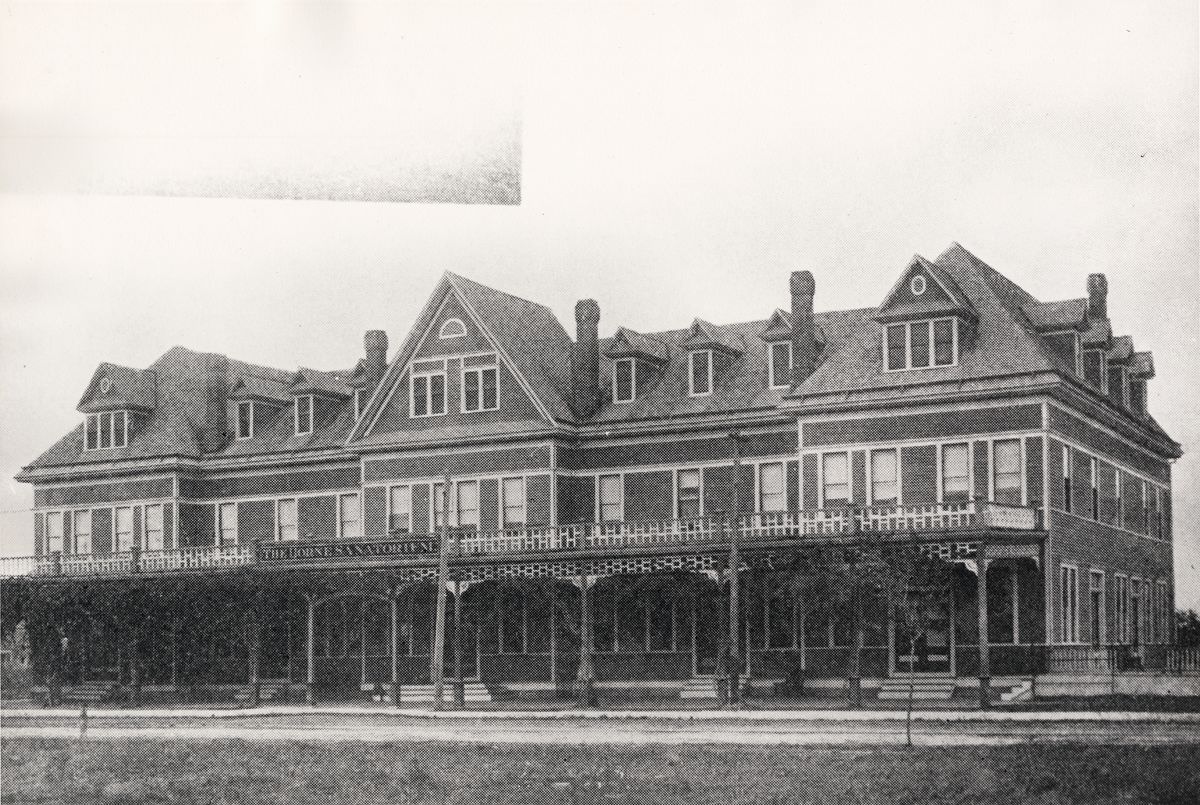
1119	355
777	335
1141	370
257	401
926	319
318	396
637	361
710	352
116	401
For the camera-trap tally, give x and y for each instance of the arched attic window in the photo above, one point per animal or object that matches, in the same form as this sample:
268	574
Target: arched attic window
452	328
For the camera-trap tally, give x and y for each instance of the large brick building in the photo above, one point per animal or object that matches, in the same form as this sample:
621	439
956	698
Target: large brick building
1008	437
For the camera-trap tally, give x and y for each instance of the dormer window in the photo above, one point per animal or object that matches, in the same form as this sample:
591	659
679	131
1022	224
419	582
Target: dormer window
921	344
479	389
1094	366
452	328
624	380
1116	384
304	414
107	430
1137	397
700	373
245	419
360	402
780	365
428	395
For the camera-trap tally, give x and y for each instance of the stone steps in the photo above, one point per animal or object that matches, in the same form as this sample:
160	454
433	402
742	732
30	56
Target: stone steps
924	688
473	693
699	688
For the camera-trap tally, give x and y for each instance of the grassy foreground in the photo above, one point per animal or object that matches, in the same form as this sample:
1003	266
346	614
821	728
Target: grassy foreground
145	771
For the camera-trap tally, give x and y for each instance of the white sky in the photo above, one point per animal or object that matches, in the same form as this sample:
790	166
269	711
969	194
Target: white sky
677	161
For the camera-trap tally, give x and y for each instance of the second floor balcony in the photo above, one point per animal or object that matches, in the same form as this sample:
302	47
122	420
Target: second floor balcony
814	526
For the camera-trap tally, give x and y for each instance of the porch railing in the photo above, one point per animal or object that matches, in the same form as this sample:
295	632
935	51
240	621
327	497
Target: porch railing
757	527
1123	658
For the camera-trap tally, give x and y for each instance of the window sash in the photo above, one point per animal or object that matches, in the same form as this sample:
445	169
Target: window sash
245	420
123	528
92	439
688	494
919	346
81	531
611	492
897	346
467	500
772	488
943	342
884	476
781	364
1069	588
835	472
153	521
54	532
479	389
106	435
288	529
348	516
700	373
956	472
429	394
1006	475
400	509
227	524
512	492
624	380
304	415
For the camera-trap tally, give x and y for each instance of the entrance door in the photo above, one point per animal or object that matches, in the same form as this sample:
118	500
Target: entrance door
929	652
707	624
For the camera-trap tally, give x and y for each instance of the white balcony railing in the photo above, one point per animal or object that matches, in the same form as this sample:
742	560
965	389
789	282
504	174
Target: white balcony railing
755	528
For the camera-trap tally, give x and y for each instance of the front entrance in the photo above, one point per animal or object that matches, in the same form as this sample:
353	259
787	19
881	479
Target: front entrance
707	623
923	639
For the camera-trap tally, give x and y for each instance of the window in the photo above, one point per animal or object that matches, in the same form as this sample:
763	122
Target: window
467	494
106	430
624	380
479	389
836	479
1135	612
400	510
1093	367
700	373
1066	479
54	532
452	328
610	497
781	364
956	473
512	499
360	401
1096	598
227	526
429	392
1116	383
1156	521
154	527
82	532
1006	478
772	492
884	477
1137	396
1164	613
1069	587
688	494
918	284
245	420
921	344
439	505
1094	469
1121	608
348	516
1145	508
1120	497
124	529
304	414
288	529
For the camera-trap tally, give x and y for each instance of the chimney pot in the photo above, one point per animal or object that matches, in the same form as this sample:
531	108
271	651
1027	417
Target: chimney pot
585	358
1097	288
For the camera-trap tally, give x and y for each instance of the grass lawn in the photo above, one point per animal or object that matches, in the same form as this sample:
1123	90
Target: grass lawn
145	771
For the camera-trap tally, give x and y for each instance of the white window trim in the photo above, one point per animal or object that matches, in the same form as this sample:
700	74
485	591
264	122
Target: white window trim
447	323
929	323
218	522
1021	464
632	380
821	476
412	391
899	482
940	468
1068	569
1121	607
389	511
112	430
758	490
311	414
62	530
691	372
75	531
116	543
1093	574
462	379
341	501
772	381
249	420
501	518
675	515
146	526
599	514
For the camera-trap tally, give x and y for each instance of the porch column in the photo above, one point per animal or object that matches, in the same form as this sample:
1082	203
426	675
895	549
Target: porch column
437	665
310	694
254	646
395	608
586	678
750	589
856	651
985	674
460	693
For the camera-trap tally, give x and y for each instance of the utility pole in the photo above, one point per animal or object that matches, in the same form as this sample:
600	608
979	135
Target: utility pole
437	669
737	437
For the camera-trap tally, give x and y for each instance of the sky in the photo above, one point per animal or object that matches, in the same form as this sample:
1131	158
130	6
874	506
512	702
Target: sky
675	161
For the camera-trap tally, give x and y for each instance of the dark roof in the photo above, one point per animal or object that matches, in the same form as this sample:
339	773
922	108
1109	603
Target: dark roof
628	342
313	381
1142	365
956	302
253	387
1121	349
704	335
779	326
1069	314
1098	333
128	388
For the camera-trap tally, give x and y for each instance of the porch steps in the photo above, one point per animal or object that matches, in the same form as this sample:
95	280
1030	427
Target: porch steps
268	691
473	693
924	688
92	691
699	688
1020	692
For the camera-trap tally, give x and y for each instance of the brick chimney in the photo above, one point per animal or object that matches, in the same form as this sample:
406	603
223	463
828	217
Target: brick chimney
214	427
375	342
804	334
1097	288
585	358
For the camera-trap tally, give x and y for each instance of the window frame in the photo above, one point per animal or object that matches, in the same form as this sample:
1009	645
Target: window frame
1068	604
279	526
391	508
619	482
872	499
679	499
117	531
505	505
445	336
221	529
480	397
112	431
249	407
357	519
147	531
1067	478
845	456
1102	618
1019	473
929	325
1094	466
708	368
942	477
781	494
307	401
426	374
632	363
772	375
1121	591
60	516
78	515
458	509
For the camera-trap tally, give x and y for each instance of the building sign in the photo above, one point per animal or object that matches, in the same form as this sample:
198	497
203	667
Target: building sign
301	552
